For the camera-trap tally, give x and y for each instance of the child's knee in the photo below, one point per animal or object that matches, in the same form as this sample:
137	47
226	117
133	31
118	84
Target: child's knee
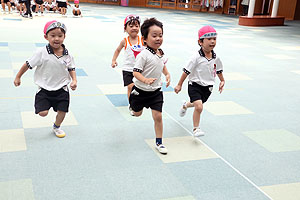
157	117
198	107
43	113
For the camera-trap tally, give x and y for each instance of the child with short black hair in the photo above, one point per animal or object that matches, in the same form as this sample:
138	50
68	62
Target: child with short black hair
132	45
149	66
201	69
55	69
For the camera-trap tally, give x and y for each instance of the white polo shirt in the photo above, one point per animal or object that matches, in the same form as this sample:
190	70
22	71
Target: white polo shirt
203	71
150	65
52	72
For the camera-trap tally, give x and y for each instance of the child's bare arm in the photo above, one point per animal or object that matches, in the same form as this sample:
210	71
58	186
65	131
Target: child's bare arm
222	82
167	74
116	54
23	69
141	78
177	89
73	84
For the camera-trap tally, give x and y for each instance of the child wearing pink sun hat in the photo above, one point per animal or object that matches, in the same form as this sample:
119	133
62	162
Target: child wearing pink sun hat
54	71
201	71
76	10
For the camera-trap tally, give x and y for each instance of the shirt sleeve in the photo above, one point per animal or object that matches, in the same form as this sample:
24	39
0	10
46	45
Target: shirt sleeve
219	67
35	60
71	66
189	66
139	63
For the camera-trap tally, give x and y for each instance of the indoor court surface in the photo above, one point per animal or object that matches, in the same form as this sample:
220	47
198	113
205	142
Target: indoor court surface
251	150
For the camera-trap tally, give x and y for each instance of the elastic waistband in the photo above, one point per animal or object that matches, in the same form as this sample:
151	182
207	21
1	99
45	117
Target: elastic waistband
140	90
194	83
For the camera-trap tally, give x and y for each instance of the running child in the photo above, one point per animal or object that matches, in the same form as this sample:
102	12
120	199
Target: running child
132	45
201	70
6	2
39	5
148	68
55	69
62	6
76	10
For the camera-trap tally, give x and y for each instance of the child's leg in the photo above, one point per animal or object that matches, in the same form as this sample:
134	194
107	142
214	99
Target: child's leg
56	126
198	107
59	117
3	6
158	126
44	113
129	87
9	6
158	123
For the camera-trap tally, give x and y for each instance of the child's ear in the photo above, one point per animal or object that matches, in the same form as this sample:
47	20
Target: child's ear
45	36
143	40
199	42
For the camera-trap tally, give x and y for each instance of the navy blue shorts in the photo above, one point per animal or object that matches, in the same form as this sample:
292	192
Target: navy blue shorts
58	100
199	92
139	99
127	77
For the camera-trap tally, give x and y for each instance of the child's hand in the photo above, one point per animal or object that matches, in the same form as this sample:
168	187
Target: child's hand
168	80
221	86
17	82
177	89
73	85
149	81
114	64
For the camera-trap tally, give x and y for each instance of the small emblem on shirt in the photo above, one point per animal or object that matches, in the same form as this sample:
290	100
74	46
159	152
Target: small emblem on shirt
67	61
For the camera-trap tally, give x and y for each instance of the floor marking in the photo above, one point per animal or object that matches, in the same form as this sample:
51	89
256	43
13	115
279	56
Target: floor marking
223	159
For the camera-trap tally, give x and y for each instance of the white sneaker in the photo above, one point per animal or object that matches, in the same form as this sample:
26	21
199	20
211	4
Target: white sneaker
183	109
198	132
161	149
130	111
59	133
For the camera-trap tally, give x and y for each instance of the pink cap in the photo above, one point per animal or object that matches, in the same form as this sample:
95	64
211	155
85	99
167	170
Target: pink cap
131	17
207	32
47	26
52	25
76	1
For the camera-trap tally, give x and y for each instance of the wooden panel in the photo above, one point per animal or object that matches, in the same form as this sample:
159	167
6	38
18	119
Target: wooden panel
261	21
137	3
169	4
287	9
297	11
154	3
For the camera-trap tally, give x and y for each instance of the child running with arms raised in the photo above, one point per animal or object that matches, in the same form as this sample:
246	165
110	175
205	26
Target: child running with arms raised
201	69
132	45
55	69
149	66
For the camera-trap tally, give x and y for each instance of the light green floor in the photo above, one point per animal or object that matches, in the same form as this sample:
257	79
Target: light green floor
251	147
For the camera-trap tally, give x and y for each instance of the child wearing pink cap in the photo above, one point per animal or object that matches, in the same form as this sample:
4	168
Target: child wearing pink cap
201	70
54	71
76	10
132	45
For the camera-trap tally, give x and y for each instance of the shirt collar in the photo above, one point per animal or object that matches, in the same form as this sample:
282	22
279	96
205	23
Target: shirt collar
153	51
50	50
201	52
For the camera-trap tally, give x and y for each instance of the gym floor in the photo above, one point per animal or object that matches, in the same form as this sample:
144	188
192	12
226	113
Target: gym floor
251	150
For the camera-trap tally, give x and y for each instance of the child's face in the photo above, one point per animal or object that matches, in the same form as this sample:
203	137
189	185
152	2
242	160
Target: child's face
133	29
208	44
155	37
55	37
